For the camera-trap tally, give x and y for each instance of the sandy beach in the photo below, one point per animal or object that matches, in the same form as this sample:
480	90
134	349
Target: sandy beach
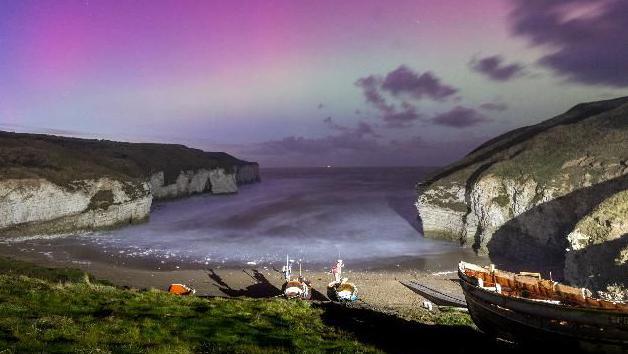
379	285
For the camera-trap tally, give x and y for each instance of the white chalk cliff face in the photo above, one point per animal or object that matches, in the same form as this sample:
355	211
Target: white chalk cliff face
54	184
37	206
215	181
549	198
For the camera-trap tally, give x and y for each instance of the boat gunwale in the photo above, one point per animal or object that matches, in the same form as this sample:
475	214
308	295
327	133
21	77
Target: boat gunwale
610	311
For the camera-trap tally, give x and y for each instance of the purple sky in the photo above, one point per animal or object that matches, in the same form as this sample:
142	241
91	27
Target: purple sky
306	83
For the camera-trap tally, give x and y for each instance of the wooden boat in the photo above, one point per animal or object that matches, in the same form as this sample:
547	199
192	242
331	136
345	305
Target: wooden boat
526	308
342	291
295	286
181	289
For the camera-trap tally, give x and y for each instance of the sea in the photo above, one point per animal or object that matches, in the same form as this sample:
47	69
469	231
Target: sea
364	216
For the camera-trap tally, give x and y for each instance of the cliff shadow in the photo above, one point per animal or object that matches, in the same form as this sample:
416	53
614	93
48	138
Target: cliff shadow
536	240
599	265
404	208
262	288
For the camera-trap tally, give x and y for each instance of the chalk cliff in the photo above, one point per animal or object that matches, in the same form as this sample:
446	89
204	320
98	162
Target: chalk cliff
549	197
51	185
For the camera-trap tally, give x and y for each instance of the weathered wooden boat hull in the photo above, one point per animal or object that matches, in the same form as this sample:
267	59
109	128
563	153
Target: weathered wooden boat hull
297	290
348	293
528	321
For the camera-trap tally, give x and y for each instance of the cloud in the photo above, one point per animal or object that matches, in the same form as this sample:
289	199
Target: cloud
495	68
392	94
362	128
394	116
357	145
329	122
405	81
408	144
361	138
586	39
371	89
401	118
459	117
492	106
352	150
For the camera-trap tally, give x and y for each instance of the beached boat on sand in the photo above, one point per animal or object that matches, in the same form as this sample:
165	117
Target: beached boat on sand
526	308
295	286
181	289
340	289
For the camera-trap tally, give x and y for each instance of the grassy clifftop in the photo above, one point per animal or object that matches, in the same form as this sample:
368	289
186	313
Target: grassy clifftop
591	136
62	160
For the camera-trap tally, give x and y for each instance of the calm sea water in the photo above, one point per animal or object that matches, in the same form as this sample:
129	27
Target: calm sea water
362	215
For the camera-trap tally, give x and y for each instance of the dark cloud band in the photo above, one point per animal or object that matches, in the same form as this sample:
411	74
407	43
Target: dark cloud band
587	39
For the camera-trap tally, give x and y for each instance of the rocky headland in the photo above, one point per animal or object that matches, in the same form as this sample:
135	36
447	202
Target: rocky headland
52	185
551	197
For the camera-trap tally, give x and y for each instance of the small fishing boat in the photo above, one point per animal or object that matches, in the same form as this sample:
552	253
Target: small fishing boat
340	289
526	308
181	289
295	286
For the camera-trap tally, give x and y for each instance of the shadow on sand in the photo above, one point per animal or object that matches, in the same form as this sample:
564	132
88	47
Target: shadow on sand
261	288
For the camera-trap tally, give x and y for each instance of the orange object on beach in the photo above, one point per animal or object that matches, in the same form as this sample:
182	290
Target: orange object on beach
180	289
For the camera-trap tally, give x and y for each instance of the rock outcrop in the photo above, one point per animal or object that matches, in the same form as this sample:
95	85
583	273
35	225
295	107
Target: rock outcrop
549	197
51	185
215	181
36	206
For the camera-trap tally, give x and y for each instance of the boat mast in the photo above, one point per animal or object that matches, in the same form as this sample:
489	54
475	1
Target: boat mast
287	269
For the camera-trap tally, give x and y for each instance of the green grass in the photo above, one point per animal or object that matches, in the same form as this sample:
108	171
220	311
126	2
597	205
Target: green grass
502	200
452	318
11	267
598	225
61	310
